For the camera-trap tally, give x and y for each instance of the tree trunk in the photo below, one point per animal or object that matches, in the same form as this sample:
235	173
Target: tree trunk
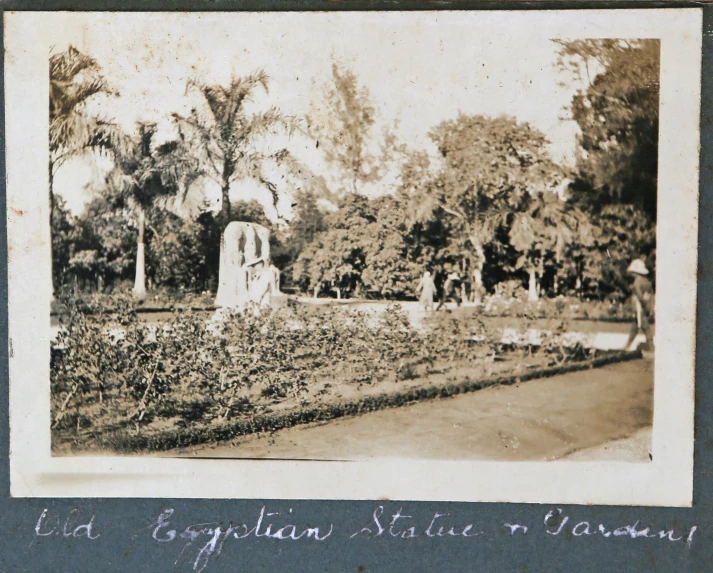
140	282
533	290
316	292
478	265
224	222
225	204
339	293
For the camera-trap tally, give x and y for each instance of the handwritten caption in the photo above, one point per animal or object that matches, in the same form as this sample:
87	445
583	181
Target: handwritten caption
200	543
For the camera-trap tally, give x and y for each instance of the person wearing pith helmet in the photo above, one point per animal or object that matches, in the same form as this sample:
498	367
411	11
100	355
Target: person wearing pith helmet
643	298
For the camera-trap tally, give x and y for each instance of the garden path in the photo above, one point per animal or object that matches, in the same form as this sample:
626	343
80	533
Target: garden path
537	420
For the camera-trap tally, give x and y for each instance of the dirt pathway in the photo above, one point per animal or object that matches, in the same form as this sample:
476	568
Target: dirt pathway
536	420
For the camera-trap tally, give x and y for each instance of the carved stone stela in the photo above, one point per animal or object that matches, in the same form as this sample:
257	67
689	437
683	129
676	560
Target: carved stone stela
246	274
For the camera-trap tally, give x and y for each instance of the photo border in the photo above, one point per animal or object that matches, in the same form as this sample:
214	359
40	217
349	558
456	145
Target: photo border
667	480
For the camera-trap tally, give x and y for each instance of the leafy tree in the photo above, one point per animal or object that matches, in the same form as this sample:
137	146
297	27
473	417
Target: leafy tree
178	256
625	232
308	221
427	232
250	212
336	257
333	259
63	238
618	116
86	266
367	244
75	79
489	166
96	246
618	113
391	264
111	232
542	230
344	129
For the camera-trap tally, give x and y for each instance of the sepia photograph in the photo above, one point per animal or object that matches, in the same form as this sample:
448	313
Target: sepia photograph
426	238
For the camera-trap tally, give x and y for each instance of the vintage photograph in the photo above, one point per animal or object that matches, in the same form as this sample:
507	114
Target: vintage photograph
343	237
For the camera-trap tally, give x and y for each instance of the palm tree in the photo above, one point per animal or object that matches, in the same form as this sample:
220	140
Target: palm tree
146	176
225	139
74	79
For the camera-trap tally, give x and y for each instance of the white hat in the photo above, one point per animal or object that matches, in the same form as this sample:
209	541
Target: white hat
638	266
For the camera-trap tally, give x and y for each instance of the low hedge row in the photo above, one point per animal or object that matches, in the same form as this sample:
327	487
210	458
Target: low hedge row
125	442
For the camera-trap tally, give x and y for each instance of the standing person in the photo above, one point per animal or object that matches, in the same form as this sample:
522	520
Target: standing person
427	288
643	298
450	290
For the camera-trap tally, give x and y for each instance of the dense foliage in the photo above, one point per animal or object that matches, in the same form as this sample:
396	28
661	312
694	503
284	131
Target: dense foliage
617	171
490	203
111	372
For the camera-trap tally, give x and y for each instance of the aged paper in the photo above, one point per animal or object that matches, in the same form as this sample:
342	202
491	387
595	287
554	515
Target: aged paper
355	255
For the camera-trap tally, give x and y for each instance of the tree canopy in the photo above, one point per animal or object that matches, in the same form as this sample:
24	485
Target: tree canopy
224	137
487	199
616	181
75	79
344	128
618	116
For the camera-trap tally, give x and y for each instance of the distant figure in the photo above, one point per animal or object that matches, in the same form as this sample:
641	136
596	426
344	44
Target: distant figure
450	290
427	288
643	298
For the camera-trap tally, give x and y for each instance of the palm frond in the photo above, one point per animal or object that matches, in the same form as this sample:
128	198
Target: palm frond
224	103
76	132
68	64
74	78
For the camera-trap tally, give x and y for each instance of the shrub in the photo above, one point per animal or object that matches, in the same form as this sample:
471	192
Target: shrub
111	371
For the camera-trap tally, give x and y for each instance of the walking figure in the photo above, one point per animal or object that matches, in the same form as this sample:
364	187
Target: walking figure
643	297
427	288
450	290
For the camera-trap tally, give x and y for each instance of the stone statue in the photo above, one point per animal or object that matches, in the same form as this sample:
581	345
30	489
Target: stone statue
246	275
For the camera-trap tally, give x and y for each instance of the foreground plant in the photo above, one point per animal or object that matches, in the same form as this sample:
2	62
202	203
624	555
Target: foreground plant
112	372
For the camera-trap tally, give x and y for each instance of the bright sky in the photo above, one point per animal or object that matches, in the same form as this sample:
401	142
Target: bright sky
418	71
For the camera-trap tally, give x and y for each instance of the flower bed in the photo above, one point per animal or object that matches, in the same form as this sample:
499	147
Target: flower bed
119	383
561	307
